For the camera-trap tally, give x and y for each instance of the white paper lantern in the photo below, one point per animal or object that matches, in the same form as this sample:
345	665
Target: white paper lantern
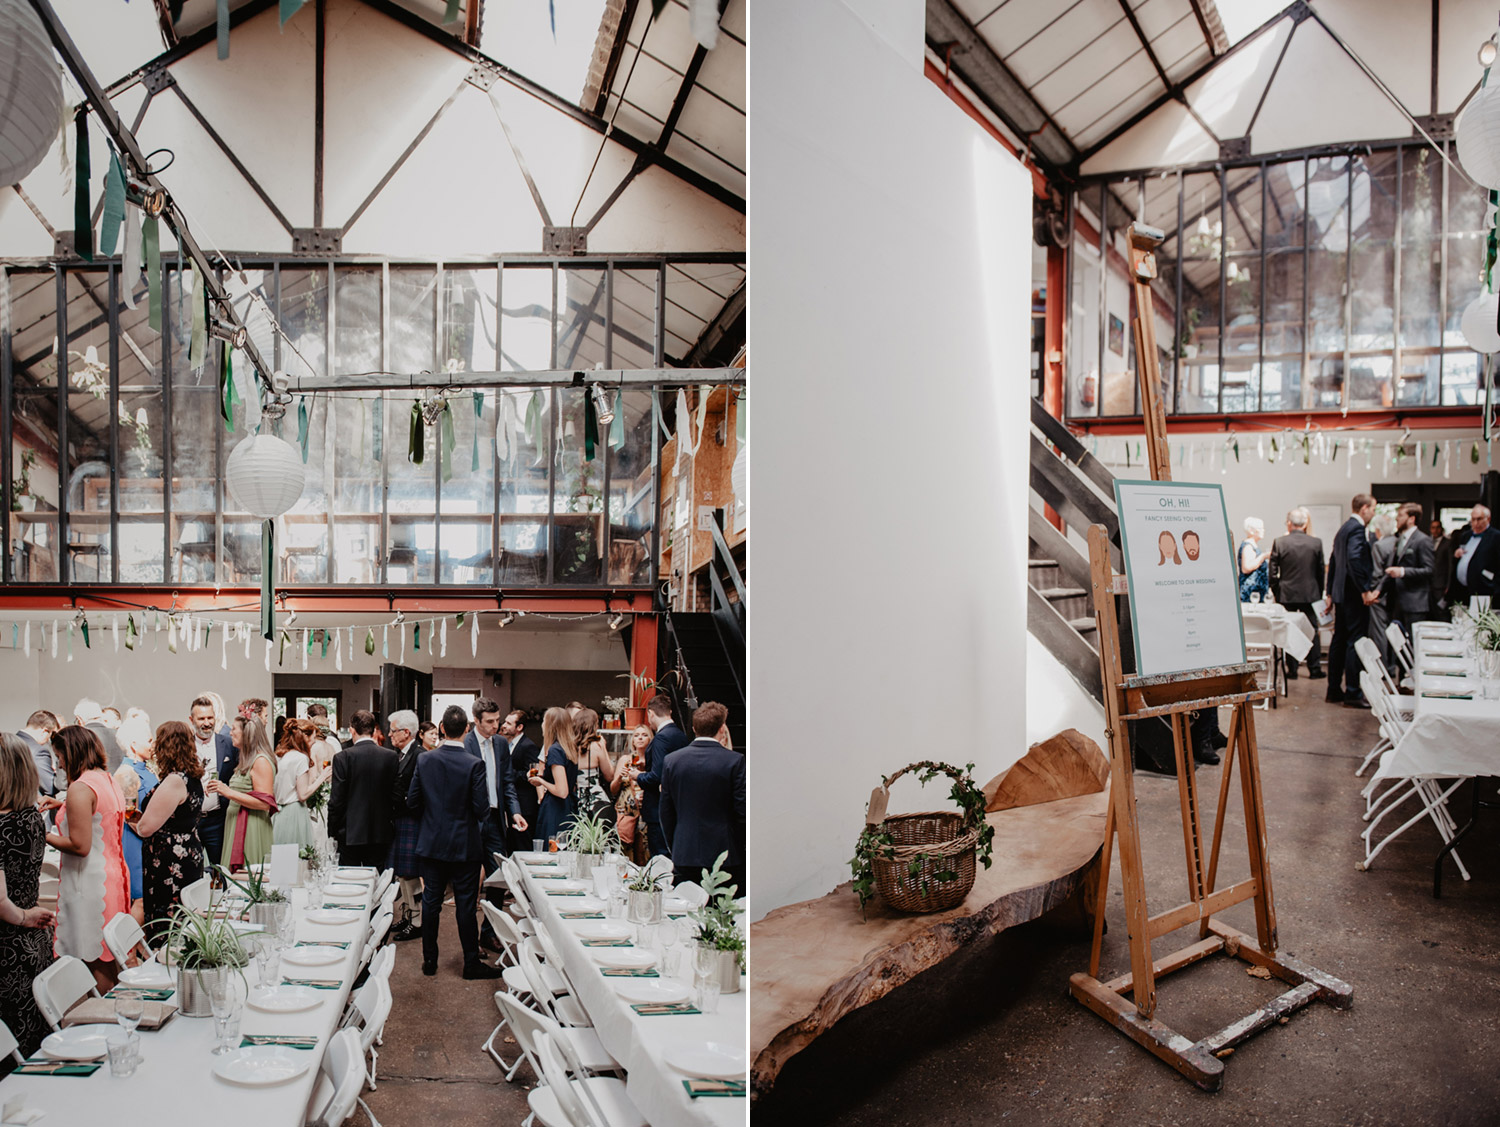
30	92
1477	132
264	475
1478	323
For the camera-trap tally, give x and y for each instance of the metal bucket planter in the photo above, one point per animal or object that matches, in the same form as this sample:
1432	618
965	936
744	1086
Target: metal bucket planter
193	988
644	907
729	972
263	914
586	863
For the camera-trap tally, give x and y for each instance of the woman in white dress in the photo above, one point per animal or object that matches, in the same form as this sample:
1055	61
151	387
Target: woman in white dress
296	780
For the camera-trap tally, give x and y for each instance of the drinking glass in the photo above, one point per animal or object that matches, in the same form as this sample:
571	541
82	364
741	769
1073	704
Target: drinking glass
708	993
130	1006
222	1002
539	845
617	899
227	1028
706	960
124	1053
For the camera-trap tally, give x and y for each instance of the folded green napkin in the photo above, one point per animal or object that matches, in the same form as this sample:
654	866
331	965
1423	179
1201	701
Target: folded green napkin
548	876
536	862
564	892
344	904
629	972
340	944
696	1088
160	994
315	983
581	915
608	943
1447	694
290	1041
655	1009
1444	673
56	1068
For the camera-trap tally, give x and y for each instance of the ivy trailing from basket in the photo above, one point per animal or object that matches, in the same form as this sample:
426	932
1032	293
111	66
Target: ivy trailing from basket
874	842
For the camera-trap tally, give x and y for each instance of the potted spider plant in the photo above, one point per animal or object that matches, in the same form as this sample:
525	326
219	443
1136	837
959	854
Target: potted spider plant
643	895
202	952
719	937
263	897
591	837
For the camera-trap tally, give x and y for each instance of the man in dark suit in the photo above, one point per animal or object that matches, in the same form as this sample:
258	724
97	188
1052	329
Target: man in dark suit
523	753
1409	577
1297	582
89	713
359	802
37	736
1382	537
219	757
1442	569
451	794
703	800
669	737
403	740
486	744
1476	561
1351	590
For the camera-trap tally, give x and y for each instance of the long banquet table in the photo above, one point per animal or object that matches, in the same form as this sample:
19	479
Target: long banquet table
174	1082
639	1043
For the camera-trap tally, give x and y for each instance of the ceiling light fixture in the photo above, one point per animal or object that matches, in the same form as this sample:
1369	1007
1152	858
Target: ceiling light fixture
224	330
507	618
153	201
1487	52
604	404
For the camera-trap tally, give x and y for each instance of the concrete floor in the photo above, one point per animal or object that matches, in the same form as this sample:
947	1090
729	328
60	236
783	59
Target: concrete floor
993	1035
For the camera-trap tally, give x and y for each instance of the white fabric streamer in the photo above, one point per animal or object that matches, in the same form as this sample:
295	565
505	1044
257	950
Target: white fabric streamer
249	637
385	640
224	649
1419	459
443	639
474	637
172	635
703	18
338	651
351	644
54	638
1369	449
430	623
130	253
114	628
27	649
1447	460
401	646
70	641
1385	464
268	655
306	638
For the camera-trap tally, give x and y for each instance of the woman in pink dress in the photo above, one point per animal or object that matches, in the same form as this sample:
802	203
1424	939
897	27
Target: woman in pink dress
93	883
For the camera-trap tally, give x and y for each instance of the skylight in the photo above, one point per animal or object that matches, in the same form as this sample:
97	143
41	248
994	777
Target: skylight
1241	17
519	34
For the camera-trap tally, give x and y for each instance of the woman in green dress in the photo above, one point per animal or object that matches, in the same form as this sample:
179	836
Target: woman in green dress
247	832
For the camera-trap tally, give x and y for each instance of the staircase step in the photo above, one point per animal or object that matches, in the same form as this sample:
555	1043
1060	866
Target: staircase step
1041	563
1052	594
1084	626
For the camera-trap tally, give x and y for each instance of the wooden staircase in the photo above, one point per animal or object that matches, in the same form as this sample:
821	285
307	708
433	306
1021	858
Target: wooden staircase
1060	609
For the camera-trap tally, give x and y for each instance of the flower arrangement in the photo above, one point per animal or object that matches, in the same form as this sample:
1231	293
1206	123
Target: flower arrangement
614	705
715	921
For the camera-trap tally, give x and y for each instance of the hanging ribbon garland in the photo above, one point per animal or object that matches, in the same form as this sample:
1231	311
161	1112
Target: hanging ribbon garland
416	451
478	418
222	28
303	428
198	343
114	205
151	240
83	223
228	393
590	427
448	441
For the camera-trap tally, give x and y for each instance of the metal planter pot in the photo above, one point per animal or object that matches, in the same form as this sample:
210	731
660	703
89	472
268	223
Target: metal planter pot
193	988
644	907
586	863
262	914
729	972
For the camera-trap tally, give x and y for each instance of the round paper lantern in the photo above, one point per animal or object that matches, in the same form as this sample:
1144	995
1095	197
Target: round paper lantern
1477	132
1478	323
30	95
264	475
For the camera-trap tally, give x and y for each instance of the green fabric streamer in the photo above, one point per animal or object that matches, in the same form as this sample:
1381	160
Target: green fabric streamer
281	652
416	450
114	206
459	620
303	430
449	441
590	427
1489	385
198	342
307	641
83	223
151	234
416	638
289	9
325	644
267	572
83	627
478	417
452	12
223	29
370	641
1436	450
1474	454
1236	451
377	427
130	632
228	395
534	421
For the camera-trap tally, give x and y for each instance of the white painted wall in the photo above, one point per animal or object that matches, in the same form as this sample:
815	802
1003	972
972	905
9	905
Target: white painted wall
1056	702
891	259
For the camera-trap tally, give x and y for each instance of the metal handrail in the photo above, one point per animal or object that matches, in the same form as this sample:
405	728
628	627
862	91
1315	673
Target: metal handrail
721	550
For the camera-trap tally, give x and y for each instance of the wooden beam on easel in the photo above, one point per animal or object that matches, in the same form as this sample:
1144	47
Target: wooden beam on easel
1143	243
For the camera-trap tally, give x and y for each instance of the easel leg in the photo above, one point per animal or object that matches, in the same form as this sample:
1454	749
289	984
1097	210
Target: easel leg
1255	833
1231	753
1103	896
1187	793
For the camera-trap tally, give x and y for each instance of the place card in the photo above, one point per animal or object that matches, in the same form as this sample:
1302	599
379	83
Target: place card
548	876
696	1088
658	1009
341	944
1447	694
344	905
564	892
56	1068
283	865
290	1041
629	972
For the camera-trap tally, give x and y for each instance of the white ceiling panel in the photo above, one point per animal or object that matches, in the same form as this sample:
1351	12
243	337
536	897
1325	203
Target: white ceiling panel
723	72
1156	16
1382	33
1136	103
1115	48
1226	97
1072	38
1012	24
1168	137
714	126
679	148
1112	90
1462	26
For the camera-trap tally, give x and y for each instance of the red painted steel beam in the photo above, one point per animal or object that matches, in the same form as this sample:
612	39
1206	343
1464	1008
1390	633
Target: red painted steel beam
343	600
643	646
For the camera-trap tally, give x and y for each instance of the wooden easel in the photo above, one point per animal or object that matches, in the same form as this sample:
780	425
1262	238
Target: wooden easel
1173	696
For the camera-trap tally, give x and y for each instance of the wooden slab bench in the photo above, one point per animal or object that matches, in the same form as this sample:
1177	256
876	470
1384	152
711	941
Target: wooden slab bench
814	962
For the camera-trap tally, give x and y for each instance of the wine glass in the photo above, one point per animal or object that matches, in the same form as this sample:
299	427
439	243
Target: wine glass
130	1007
224	1003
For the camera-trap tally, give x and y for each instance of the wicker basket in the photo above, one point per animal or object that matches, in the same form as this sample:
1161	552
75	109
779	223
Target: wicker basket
935	842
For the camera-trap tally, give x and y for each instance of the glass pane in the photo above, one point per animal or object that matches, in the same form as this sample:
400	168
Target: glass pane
1328	247
1242	281
197	435
410	493
630	492
86	486
1421	267
1202	252
139	417
468	492
633	343
304	322
1372	208
522	455
579	496
33	345
468	337
580	325
526	319
302	535
1083	328
1120	390
413	319
357	338
357	488
1461	379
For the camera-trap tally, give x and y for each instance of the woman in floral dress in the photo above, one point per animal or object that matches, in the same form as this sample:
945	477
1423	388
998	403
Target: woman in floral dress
25	929
173	855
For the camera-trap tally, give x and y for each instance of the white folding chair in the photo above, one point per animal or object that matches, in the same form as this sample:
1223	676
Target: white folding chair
9	1046
589	1102
60	987
341	1078
1260	647
507	934
582	1044
383	882
383	963
520	906
563	1008
368	1010
387	900
123	937
378	929
1396	637
196	895
1369	658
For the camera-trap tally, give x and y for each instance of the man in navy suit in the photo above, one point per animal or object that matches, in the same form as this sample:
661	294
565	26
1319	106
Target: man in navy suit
1352	586
669	737
485	743
450	792
703	800
217	753
523	753
1476	566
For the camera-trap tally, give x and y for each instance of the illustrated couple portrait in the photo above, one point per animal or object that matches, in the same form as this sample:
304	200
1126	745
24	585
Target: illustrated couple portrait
1167	544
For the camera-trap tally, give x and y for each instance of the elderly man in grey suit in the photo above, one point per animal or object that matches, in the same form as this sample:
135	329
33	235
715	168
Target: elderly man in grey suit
1409	574
1382	555
1297	583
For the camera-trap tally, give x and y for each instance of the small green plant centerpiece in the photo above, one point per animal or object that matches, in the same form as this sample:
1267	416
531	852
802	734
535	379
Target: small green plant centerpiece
717	928
202	952
591	837
923	862
263	897
643	894
1487	643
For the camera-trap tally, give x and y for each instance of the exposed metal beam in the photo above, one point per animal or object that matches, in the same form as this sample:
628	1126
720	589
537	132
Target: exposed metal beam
187	46
689	78
1135	25
320	44
234	159
1208	36
731	314
564	377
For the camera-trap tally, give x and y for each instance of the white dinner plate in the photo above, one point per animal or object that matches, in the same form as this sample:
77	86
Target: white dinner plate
354	873
553	886
312	956
245	927
631	958
712	1060
675	905
286	999
331	916
337	890
150	974
78	1042
600	929
662	990
580	904
525	855
261	1065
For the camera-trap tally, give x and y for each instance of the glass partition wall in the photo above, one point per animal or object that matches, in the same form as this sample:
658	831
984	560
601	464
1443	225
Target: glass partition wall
114	468
1283	286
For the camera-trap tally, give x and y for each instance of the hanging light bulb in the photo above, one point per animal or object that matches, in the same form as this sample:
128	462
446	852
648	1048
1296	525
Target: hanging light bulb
1487	51
616	622
507	618
153	201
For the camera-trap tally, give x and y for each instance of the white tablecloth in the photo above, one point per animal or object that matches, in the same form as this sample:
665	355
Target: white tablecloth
1290	630
637	1042
1448	738
174	1084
